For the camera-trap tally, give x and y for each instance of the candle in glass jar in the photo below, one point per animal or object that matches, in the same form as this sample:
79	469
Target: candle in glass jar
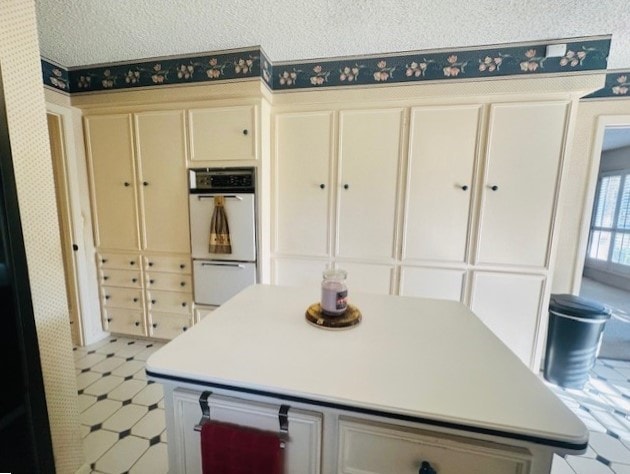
334	300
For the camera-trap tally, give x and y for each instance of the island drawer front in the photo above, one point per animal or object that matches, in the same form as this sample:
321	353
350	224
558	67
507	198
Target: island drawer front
168	326
302	453
161	263
126	278
168	281
169	301
367	448
116	297
124	321
121	261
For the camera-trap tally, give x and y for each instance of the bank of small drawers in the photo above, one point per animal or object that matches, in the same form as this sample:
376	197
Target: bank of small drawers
168	295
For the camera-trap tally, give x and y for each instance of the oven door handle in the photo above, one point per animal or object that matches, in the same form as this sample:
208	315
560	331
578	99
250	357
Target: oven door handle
212	264
226	196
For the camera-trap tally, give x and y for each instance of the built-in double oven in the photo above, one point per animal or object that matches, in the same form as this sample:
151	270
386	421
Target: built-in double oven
223	204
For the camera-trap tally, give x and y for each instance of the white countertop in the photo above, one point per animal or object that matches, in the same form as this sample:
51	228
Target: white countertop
422	358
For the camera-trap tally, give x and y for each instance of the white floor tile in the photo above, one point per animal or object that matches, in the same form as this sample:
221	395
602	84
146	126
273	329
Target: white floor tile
129	368
610	421
140	375
108	365
152	424
112	347
104	385
86	379
620	468
122	455
125	418
587	466
99	412
604	387
126	390
89	360
609	374
560	466
609	448
130	350
144	355
154	460
620	403
97	443
85	402
149	395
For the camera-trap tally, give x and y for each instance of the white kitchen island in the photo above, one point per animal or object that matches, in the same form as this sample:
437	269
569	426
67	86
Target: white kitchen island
416	381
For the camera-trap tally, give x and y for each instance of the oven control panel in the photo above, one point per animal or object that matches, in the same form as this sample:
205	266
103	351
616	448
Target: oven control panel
230	180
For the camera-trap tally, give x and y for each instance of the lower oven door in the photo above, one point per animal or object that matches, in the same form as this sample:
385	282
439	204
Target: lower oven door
216	282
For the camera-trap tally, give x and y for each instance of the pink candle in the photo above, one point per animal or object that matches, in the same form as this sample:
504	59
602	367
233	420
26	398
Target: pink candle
334	293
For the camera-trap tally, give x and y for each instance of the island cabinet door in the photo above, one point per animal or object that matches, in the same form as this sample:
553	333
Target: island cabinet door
370	448
302	452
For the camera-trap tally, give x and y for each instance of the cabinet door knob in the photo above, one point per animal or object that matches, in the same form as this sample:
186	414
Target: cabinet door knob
185	328
183	283
184	304
346	186
105	277
132	262
152	281
182	266
135	300
107	297
245	132
425	468
153	301
109	320
133	280
104	260
464	187
145	183
494	187
154	325
150	264
322	186
127	184
137	323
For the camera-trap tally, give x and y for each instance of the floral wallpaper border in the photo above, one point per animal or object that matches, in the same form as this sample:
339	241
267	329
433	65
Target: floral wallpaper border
617	86
527	59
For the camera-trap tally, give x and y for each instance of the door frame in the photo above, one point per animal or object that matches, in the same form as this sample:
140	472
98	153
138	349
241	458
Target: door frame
603	122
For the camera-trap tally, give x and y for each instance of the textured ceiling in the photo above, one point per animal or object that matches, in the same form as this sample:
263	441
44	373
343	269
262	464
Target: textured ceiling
86	32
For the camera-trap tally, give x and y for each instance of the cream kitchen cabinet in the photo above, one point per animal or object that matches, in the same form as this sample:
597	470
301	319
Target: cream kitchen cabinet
440	183
520	184
137	164
223	133
335	187
302	452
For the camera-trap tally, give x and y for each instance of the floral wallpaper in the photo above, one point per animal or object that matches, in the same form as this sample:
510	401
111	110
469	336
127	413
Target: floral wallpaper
506	60
617	85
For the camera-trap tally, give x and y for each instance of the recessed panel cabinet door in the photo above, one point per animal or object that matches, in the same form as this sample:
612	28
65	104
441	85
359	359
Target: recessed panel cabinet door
163	181
301	192
442	149
369	153
110	155
525	144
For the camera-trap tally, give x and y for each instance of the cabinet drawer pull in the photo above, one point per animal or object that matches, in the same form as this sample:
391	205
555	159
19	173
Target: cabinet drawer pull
135	300
464	187
107	297
425	468
184	304
182	266
137	323
322	186
152	281
150	264
132	262
185	328
154	325
245	132
494	187
133	280
145	183
153	301
183	283
105	277
109	320
346	186
103	260
127	184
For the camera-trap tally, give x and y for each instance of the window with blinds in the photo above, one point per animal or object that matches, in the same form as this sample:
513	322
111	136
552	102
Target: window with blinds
610	229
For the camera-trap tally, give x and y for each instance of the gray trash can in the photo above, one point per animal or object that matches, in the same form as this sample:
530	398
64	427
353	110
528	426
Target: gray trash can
575	330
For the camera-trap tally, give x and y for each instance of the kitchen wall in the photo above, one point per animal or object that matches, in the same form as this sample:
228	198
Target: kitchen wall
19	56
578	188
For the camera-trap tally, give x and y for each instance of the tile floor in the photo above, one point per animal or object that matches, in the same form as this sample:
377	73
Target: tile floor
122	414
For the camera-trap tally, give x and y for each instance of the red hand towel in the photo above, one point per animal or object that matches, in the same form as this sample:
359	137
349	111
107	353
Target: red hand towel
233	449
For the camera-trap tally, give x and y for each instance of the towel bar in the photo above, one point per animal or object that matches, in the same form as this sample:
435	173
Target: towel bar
283	417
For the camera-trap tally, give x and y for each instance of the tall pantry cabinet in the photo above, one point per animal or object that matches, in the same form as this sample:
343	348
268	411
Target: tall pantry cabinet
452	201
137	167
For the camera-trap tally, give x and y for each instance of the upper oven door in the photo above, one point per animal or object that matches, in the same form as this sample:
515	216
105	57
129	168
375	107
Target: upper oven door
239	209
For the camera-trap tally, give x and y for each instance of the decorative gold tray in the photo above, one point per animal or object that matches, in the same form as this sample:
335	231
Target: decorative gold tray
349	318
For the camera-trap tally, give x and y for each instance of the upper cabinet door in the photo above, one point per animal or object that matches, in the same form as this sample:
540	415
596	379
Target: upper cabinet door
110	156
161	146
442	150
369	154
525	146
302	168
223	133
